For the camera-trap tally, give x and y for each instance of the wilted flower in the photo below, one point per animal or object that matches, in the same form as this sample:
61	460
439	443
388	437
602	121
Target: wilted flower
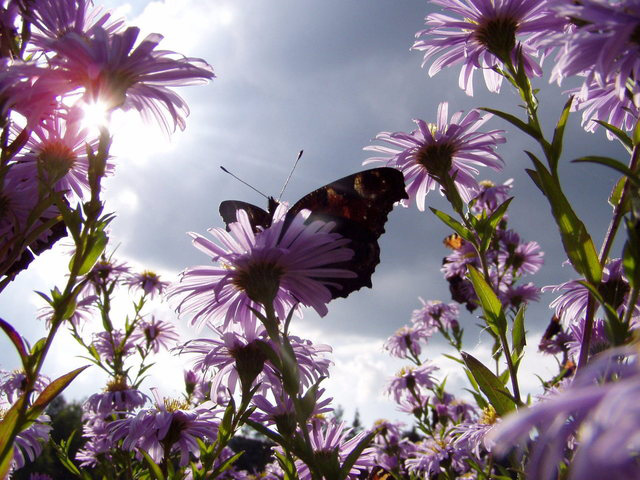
448	148
283	267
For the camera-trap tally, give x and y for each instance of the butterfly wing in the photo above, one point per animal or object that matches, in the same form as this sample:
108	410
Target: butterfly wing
257	216
359	205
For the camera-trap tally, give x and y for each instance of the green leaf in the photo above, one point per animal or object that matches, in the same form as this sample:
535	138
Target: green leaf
97	244
636	134
453	224
498	396
258	427
492	222
491	305
355	454
611	163
631	255
154	469
17	341
558	135
620	134
616	195
576	240
518	335
7	426
52	391
515	121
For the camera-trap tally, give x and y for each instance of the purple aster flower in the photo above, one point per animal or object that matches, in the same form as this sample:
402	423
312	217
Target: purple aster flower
433	454
169	426
599	420
53	19
470	435
113	71
85	310
571	305
603	103
488	33
196	386
28	443
526	258
453	148
277	265
330	442
406	341
435	315
412	379
490	196
390	448
114	343
13	384
455	264
599	340
517	295
117	397
97	432
21	93
147	281
58	154
106	271
277	409
603	44
158	334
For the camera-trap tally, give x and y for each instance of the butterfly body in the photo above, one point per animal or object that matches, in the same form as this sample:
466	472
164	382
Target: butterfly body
358	205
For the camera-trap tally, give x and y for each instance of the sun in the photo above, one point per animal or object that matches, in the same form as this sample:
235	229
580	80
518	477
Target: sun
95	115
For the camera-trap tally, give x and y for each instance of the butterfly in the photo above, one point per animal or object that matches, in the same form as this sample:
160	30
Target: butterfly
379	473
453	241
358	204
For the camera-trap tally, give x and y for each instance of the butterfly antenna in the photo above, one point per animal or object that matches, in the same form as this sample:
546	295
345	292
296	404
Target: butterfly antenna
242	181
290	174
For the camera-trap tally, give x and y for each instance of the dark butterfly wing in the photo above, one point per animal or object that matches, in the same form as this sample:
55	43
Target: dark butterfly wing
359	205
257	216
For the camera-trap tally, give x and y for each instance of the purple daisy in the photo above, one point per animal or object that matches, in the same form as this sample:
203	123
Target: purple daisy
53	19
331	442
435	315
96	430
406	341
105	272
453	148
488	33
85	310
526	258
490	196
117	397
571	305
519	294
278	266
158	334
114	343
169	427
147	281
410	380
58	154
603	45
113	70
29	442
433	454
277	409
599	410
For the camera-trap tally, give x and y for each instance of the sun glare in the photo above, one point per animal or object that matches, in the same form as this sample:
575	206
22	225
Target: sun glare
94	115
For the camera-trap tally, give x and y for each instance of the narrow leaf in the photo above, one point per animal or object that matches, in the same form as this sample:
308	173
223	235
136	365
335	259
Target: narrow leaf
490	385
620	134
99	243
154	469
355	454
558	134
515	121
576	240
16	339
453	224
491	305
52	391
518	335
611	163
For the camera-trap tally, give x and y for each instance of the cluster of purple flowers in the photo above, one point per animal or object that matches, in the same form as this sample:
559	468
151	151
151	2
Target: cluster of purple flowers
76	55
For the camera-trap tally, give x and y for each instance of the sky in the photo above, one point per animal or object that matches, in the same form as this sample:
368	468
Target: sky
325	77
